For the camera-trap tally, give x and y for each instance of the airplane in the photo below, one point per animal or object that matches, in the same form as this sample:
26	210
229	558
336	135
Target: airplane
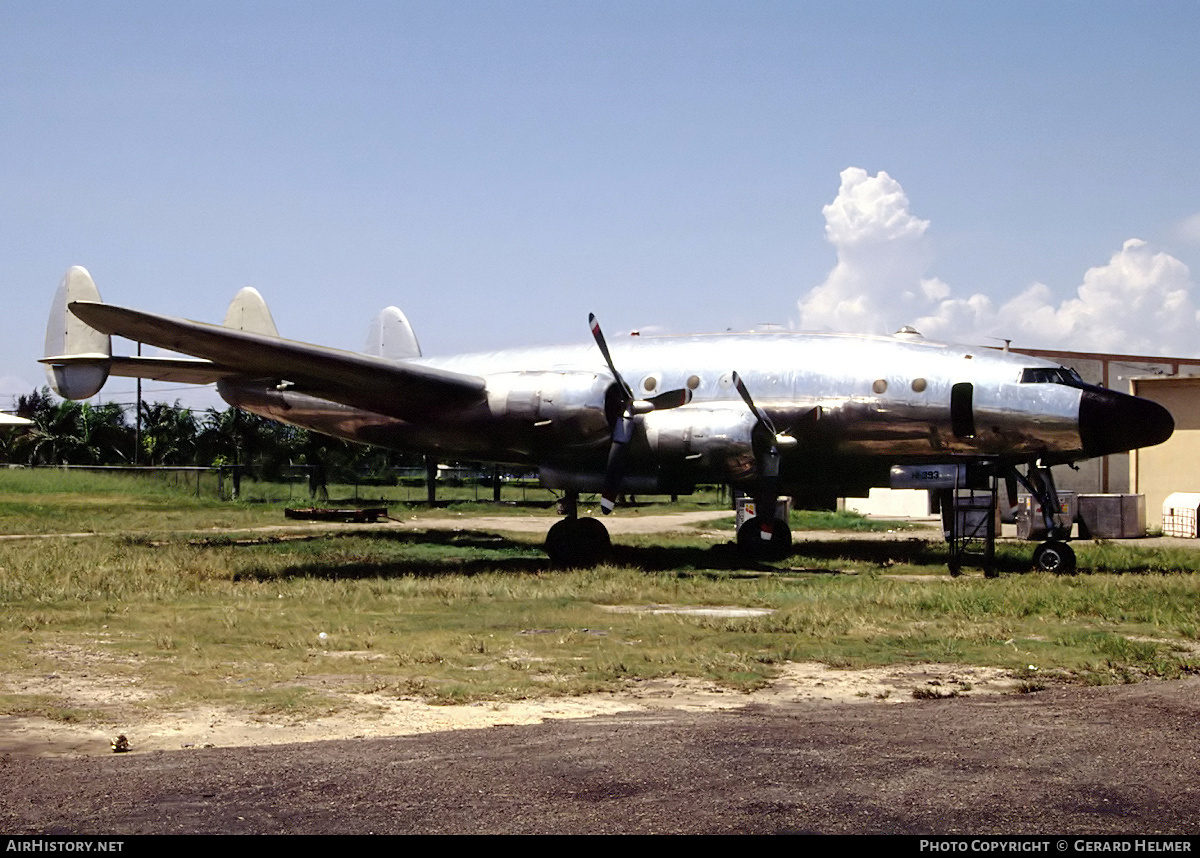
813	416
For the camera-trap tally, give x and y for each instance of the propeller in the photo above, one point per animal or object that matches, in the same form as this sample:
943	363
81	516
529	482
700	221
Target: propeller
768	462
624	424
769	467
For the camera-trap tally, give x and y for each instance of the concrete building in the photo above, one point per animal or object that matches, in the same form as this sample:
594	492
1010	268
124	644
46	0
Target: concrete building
1175	465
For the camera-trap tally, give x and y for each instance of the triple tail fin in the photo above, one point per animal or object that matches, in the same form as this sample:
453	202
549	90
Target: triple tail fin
78	357
391	336
249	312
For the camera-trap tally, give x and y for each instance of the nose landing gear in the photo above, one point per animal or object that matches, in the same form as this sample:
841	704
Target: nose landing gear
1053	555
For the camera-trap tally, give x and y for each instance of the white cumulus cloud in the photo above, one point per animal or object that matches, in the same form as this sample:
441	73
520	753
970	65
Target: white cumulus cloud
1140	301
877	283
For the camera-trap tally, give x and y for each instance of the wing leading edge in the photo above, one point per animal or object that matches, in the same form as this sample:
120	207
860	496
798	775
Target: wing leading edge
394	388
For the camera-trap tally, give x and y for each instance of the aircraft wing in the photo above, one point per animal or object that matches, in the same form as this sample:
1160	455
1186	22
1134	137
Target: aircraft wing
396	388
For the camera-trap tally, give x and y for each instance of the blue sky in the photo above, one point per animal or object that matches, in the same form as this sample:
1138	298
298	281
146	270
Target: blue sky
500	169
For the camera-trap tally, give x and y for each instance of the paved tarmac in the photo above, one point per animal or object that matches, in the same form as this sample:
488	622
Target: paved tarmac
1117	760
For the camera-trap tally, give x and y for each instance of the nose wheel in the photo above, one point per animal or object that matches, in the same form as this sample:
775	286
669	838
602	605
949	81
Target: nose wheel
1054	556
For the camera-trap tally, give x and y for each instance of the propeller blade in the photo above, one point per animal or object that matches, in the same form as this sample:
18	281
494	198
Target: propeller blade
770	466
768	463
759	415
615	471
598	335
670	399
623	425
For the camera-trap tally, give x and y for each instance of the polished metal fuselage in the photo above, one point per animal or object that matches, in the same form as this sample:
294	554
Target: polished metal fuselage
855	404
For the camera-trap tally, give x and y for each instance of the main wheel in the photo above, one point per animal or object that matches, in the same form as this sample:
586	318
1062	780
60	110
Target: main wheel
750	540
577	542
1054	556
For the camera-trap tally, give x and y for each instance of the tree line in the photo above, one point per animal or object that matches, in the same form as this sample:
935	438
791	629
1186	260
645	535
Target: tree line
66	432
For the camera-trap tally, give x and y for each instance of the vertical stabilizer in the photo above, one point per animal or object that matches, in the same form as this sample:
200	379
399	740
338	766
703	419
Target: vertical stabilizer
79	356
249	312
391	336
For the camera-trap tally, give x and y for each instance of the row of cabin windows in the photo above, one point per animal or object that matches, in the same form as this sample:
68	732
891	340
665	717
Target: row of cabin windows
1030	375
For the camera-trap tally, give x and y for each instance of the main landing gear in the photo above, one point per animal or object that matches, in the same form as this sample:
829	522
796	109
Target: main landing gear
765	540
765	536
576	542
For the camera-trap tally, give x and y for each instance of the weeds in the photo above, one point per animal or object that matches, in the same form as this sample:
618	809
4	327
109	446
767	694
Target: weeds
471	614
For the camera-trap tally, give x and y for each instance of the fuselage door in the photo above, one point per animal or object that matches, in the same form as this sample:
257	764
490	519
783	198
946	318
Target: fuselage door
962	410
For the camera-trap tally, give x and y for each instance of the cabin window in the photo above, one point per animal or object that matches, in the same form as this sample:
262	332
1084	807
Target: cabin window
880	385
919	385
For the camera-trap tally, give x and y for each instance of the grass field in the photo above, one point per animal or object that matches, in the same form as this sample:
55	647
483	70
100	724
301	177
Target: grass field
156	599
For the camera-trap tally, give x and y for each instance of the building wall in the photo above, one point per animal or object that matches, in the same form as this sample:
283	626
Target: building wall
1173	466
891	503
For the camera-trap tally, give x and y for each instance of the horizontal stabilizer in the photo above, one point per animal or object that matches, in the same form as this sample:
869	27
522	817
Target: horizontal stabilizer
404	390
176	370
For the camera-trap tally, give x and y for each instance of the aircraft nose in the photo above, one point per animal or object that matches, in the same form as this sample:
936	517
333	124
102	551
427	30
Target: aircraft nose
1111	422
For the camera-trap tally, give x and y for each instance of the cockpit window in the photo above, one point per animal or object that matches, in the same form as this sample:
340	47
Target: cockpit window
1051	375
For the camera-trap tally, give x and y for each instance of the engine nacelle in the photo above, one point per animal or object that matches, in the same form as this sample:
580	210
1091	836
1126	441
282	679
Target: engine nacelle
716	440
572	401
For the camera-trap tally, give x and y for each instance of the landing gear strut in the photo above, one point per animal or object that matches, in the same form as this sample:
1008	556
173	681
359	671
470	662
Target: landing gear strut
576	542
1053	555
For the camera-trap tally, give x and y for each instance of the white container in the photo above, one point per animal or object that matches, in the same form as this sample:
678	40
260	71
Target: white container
1179	514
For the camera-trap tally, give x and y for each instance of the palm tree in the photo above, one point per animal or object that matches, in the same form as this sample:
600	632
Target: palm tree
108	438
168	433
71	433
225	439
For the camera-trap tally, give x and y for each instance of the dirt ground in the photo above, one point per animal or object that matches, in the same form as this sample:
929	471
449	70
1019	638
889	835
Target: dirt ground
380	715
